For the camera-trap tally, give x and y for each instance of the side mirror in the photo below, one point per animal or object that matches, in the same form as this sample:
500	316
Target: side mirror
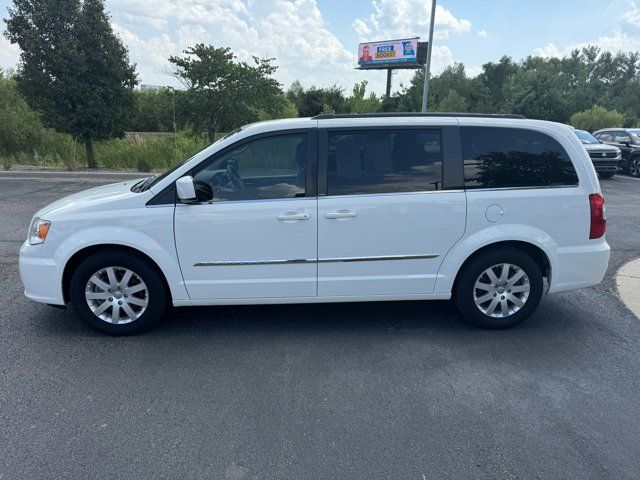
186	189
626	143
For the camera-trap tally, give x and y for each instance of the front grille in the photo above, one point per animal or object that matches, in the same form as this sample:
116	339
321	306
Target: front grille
601	155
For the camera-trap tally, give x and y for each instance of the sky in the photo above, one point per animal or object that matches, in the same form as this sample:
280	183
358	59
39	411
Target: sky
315	41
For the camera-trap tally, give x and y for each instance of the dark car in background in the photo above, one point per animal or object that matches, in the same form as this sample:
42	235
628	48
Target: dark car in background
628	141
605	158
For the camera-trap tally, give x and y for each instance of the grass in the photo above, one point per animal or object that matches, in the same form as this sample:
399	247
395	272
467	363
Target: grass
138	152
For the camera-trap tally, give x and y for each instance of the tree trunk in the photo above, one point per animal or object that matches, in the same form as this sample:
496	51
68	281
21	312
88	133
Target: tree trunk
211	133
91	159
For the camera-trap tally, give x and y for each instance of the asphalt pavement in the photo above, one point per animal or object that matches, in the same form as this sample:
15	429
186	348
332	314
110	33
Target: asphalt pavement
396	390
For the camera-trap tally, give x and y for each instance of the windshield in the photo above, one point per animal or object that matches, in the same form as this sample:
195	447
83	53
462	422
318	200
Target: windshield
586	138
151	181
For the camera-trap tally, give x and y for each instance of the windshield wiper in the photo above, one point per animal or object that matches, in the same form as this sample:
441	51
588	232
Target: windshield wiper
142	185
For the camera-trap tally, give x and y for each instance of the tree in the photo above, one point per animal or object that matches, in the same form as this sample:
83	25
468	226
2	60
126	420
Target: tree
315	101
537	91
73	69
21	129
453	102
295	90
359	104
153	111
596	118
493	79
223	94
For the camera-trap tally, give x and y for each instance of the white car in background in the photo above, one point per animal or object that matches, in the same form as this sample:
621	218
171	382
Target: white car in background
490	210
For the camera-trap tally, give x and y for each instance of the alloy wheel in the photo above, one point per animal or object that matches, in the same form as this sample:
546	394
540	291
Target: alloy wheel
634	167
501	290
116	295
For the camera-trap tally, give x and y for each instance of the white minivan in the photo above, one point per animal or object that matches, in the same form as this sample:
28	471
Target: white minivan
490	210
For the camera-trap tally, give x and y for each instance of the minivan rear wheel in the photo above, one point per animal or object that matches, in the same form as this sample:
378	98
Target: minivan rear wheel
499	288
117	293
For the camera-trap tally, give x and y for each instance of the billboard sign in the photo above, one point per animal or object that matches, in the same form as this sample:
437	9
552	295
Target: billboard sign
403	52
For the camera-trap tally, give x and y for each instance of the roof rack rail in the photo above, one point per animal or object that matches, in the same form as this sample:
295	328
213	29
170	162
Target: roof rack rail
417	114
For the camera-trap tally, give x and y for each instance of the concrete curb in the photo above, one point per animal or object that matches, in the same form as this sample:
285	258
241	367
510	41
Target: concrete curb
84	175
628	283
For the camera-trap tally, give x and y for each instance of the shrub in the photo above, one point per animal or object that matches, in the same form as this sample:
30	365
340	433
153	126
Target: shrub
146	153
597	117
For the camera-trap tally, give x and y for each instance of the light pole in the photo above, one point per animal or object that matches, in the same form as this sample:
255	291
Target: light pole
427	66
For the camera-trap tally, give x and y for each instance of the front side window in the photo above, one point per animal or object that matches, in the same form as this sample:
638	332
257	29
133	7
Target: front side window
384	161
604	136
635	138
497	157
622	137
265	168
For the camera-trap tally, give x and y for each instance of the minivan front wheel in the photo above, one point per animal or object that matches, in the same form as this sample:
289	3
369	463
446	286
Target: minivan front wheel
499	288
117	293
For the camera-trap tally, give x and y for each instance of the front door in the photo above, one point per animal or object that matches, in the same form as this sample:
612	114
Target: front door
257	237
385	223
622	140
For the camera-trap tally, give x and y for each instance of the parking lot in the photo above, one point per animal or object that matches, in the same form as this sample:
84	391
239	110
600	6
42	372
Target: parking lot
341	391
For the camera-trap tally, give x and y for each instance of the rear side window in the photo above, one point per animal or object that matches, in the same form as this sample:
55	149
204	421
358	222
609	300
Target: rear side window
384	161
513	157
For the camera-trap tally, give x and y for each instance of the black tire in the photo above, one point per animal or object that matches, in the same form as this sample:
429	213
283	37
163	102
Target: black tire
634	167
606	175
464	291
157	298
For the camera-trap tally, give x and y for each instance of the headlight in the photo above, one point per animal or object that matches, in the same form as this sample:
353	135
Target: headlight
38	231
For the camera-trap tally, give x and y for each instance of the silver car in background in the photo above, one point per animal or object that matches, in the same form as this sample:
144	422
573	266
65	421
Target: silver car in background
606	158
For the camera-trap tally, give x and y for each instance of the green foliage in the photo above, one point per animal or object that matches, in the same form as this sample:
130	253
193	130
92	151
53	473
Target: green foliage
453	102
545	88
20	126
537	92
288	110
596	118
25	141
74	70
222	94
153	111
315	101
358	103
147	152
295	91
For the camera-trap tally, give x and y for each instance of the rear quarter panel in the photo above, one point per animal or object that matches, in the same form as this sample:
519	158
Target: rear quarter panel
557	220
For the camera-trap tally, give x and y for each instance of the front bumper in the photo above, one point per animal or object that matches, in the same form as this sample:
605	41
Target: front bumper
41	277
606	166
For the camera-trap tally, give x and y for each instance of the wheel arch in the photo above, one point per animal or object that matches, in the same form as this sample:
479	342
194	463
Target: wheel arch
78	257
534	251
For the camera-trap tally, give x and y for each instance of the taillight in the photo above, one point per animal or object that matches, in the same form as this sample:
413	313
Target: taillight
598	220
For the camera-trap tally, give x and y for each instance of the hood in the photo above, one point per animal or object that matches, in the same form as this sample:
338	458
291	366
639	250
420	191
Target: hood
97	198
600	147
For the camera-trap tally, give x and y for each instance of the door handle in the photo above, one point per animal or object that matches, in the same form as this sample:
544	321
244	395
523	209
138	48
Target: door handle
341	214
293	216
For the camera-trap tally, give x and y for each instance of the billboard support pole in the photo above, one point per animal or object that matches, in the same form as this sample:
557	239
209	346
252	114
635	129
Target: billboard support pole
388	94
427	66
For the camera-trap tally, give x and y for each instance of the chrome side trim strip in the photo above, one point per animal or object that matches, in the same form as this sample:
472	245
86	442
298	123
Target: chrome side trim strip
312	260
252	262
378	258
